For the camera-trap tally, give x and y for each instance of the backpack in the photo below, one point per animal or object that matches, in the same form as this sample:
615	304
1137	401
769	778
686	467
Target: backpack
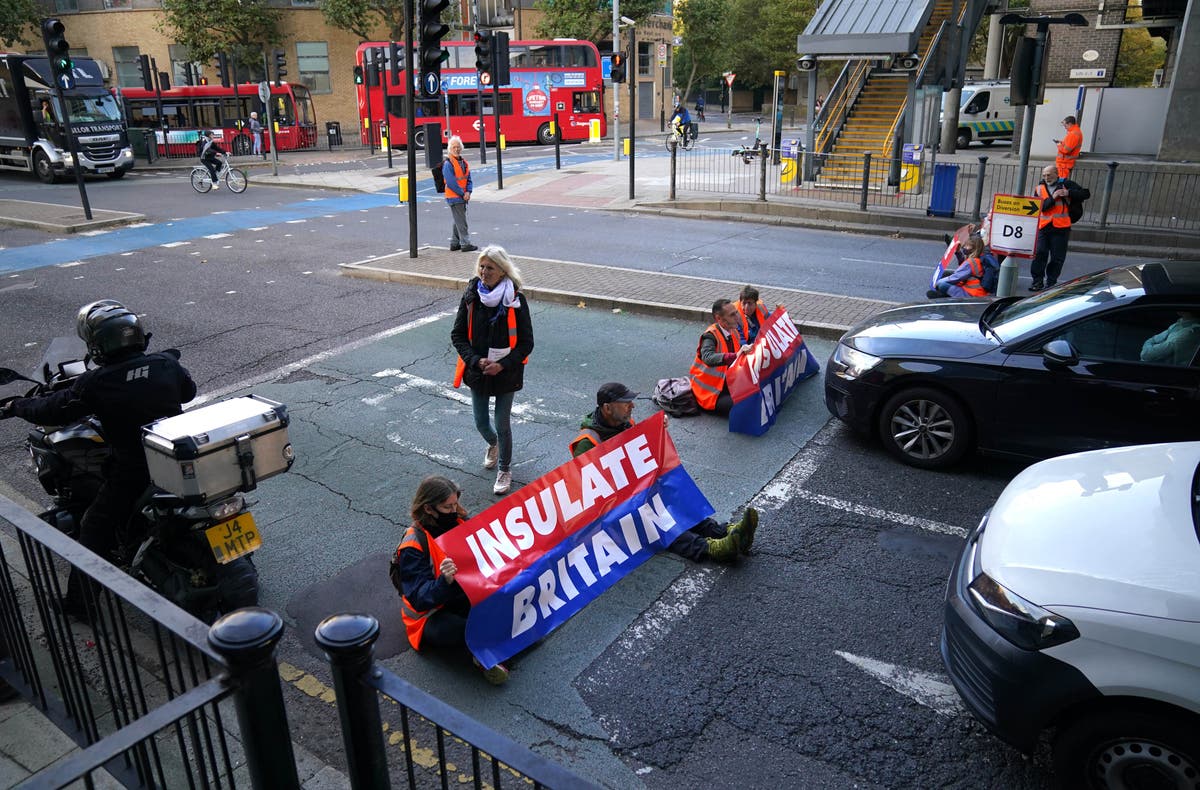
675	397
1075	209
439	179
991	273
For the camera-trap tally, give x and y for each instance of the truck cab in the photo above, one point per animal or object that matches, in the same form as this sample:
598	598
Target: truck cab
33	135
985	113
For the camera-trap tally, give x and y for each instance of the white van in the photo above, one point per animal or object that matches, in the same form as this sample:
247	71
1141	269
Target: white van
985	113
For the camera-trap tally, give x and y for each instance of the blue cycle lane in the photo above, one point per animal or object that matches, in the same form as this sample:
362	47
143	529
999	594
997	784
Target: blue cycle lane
68	250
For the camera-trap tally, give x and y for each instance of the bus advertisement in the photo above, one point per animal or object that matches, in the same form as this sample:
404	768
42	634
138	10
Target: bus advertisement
189	109
547	77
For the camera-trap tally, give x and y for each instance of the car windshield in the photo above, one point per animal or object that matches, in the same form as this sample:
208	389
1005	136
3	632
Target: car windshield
1034	312
90	109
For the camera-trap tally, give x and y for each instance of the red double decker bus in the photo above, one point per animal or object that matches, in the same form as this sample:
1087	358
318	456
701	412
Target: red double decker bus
188	109
547	77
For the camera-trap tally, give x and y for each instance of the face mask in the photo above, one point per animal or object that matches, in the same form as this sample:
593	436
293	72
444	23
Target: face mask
446	521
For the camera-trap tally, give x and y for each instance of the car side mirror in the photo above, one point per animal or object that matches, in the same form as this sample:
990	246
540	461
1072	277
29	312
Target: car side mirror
8	376
1059	354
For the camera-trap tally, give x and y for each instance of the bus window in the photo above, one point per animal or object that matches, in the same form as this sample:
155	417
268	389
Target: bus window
282	111
574	56
585	102
143	116
205	115
304	107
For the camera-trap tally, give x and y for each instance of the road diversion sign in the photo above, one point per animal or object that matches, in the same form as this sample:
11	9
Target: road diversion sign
1015	225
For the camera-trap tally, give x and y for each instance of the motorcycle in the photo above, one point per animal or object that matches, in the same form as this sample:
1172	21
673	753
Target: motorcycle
199	556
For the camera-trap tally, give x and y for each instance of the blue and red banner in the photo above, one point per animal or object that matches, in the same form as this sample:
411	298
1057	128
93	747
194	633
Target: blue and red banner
760	381
538	556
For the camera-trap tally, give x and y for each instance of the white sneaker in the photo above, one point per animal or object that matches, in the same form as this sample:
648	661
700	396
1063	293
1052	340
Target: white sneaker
216	185
503	482
491	456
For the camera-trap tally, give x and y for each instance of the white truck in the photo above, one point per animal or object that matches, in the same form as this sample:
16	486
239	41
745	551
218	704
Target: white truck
32	136
985	113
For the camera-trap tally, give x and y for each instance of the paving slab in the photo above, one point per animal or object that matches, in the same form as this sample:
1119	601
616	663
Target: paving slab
58	218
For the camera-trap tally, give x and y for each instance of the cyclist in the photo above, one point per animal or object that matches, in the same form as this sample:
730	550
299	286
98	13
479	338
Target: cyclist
210	151
681	122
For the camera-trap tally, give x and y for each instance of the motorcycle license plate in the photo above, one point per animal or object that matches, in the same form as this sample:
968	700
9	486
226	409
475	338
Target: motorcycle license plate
234	538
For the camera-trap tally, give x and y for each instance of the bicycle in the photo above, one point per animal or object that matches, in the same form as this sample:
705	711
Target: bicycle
750	153
683	137
235	178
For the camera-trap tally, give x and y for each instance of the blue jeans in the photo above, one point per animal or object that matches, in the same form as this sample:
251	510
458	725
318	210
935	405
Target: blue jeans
502	433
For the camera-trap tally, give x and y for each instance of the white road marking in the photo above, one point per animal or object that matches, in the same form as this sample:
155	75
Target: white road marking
68	264
448	460
301	364
175	244
882	515
925	688
442	389
295	221
218	235
94	232
888	263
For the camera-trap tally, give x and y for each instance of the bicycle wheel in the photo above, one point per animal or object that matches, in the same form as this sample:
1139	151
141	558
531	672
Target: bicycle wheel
689	142
236	180
670	142
201	181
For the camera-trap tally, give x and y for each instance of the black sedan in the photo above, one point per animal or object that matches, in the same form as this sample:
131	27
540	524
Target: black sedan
1108	359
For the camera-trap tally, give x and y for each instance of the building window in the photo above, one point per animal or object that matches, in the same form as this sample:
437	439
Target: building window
312	58
644	54
126	61
304	3
66	6
180	64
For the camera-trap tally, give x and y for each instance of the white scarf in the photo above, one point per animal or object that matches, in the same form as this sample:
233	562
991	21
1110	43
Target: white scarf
503	293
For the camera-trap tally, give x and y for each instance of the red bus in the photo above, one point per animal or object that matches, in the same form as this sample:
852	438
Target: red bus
548	77
187	109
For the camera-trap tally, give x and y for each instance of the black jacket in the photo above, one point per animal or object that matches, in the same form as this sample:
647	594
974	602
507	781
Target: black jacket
124	395
490	330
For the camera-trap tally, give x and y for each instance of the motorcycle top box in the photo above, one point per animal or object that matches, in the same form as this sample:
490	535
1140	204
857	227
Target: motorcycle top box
208	453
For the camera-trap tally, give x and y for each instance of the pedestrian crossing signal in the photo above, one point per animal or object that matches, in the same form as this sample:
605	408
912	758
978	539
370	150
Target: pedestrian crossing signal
618	67
358	75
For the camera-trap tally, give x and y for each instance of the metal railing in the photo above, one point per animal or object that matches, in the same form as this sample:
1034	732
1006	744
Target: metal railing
153	144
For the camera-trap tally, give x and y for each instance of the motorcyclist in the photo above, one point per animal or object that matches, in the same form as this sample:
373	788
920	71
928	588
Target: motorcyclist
210	151
129	389
681	121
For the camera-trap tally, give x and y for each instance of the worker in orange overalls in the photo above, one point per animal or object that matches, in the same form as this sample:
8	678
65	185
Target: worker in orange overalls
1068	147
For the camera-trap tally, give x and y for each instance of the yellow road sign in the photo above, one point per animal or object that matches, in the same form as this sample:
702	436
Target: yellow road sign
1019	205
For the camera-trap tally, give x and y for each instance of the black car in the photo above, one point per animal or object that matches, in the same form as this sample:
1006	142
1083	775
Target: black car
1104	360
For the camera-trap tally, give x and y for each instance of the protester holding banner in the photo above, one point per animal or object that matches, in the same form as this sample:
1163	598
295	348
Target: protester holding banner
433	606
719	346
708	539
493	335
752	312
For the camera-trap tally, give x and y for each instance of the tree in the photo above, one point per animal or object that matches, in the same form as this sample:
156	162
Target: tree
762	36
242	27
16	17
701	25
587	20
1140	55
364	17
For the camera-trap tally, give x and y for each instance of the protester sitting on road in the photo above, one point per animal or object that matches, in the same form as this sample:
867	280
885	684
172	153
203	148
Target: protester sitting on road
752	312
967	279
1177	344
433	606
708	539
719	346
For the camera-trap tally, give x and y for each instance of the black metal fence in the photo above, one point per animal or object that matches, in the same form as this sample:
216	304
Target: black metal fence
1126	195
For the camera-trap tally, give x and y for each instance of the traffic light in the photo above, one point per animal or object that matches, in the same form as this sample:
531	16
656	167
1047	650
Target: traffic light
164	80
187	74
358	75
618	67
280	58
430	54
397	54
57	48
485	56
223	69
145	72
500	50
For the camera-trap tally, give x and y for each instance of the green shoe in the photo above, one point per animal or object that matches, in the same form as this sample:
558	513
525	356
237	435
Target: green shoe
724	549
497	675
745	529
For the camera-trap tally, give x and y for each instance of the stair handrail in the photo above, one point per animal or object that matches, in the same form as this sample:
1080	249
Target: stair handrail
920	78
841	104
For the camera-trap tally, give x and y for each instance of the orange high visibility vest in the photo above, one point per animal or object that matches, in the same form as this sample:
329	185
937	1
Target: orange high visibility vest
460	367
973	285
760	311
461	170
1068	151
415	537
1057	215
592	436
708	381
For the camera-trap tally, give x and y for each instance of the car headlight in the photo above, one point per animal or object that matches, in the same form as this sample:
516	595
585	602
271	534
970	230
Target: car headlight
854	363
1025	624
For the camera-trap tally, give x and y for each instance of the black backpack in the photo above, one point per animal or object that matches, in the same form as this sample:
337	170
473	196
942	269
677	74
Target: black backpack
991	273
439	179
1075	209
675	397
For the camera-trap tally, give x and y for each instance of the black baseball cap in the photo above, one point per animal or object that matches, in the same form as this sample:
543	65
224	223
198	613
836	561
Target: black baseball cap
614	392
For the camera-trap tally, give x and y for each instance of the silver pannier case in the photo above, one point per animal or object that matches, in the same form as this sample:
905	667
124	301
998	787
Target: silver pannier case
208	453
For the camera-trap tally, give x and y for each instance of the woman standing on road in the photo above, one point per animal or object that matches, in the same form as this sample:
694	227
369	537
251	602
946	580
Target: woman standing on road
433	606
493	335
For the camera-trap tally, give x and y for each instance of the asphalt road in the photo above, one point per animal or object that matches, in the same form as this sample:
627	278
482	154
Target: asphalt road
813	662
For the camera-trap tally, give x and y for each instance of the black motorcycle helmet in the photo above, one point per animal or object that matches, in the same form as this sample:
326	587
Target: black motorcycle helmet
109	330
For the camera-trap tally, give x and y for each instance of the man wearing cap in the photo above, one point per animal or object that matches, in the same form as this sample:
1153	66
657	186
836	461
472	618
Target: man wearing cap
706	540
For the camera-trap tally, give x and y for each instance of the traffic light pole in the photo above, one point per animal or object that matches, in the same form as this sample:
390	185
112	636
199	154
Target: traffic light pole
387	113
73	145
616	47
631	77
270	115
58	53
496	116
410	110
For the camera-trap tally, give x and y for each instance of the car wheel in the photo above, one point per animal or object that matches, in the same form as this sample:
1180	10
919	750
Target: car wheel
544	136
42	167
114	175
924	427
964	139
1128	749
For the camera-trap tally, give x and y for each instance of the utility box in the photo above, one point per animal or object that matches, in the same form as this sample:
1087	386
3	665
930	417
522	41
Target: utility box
941	196
333	133
208	453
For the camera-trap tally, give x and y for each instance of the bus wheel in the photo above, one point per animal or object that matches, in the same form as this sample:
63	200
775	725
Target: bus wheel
42	167
241	145
419	139
544	136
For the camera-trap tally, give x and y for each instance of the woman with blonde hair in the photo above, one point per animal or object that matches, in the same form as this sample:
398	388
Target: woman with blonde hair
493	335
